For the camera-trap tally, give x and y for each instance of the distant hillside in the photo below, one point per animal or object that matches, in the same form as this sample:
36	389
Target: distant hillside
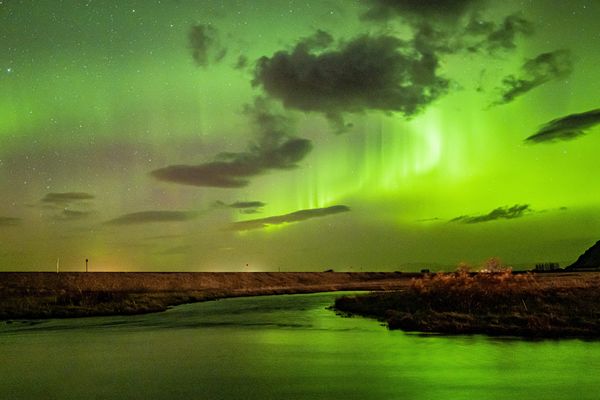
590	260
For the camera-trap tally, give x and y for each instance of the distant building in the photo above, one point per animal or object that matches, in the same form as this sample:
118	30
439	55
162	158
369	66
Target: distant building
545	267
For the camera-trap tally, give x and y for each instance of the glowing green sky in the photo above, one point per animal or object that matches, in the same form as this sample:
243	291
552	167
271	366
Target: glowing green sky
372	135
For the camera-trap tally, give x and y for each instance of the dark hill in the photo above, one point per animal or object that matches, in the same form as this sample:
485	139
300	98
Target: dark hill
590	260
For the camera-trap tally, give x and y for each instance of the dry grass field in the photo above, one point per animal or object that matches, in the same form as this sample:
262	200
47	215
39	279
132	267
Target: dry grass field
49	295
493	303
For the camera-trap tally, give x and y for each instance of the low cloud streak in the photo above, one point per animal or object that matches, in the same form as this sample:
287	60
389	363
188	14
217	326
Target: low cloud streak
144	217
297	216
566	128
9	221
66	197
516	211
274	149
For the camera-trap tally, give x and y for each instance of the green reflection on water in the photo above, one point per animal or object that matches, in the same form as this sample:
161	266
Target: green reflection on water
280	347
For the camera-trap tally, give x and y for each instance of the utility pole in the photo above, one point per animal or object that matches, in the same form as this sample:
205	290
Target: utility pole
57	264
86	265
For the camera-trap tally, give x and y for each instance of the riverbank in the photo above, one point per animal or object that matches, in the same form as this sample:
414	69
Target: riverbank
498	304
34	295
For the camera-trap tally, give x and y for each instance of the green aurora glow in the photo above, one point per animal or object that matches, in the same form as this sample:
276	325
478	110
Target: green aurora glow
96	95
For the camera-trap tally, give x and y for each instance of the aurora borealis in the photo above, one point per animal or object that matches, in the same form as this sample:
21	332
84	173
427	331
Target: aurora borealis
183	135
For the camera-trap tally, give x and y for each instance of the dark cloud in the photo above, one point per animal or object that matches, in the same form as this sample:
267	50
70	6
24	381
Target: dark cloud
243	207
318	41
367	73
144	217
273	150
9	221
492	37
247	204
535	72
566	128
297	216
516	211
250	211
68	206
67	197
71	215
248	207
421	9
429	219
204	44
241	63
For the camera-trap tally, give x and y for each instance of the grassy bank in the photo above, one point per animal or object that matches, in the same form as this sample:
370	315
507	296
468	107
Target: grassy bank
499	303
28	295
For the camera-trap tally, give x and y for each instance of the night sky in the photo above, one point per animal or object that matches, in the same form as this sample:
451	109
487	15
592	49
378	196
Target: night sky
183	135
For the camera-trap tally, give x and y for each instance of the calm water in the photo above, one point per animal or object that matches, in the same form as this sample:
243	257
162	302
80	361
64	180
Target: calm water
280	347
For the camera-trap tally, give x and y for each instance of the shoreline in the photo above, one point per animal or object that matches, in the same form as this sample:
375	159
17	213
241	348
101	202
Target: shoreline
565	305
42	295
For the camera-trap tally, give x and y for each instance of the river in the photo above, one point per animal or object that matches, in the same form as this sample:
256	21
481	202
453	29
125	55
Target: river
280	347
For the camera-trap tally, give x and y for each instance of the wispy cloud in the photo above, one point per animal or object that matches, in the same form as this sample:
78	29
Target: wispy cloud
9	221
145	217
296	216
566	128
66	197
71	215
275	149
535	72
68	206
204	44
492	37
516	211
247	204
244	207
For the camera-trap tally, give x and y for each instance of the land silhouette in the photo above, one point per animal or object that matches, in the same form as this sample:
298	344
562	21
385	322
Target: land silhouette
494	301
26	295
497	303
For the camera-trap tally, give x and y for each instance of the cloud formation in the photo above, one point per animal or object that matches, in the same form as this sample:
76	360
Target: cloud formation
367	73
204	44
70	215
492	37
241	63
145	217
444	9
247	204
566	128
67	197
297	216
243	207
9	221
516	211
274	149
68	206
535	72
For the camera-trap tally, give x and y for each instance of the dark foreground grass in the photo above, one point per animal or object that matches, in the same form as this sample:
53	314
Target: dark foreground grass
102	303
493	303
47	295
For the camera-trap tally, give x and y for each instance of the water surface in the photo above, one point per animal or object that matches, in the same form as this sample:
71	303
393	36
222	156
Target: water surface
280	347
